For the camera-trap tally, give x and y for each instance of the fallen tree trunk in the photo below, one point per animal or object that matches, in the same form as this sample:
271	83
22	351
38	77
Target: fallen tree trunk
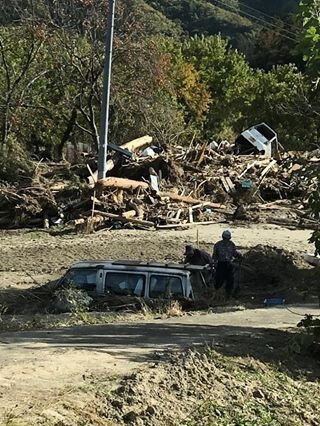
129	214
121	183
190	200
137	143
93	178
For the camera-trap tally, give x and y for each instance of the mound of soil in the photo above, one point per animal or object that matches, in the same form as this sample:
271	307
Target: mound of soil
205	388
272	272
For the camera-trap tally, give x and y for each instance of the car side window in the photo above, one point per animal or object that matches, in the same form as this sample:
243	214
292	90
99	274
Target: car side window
165	286
123	284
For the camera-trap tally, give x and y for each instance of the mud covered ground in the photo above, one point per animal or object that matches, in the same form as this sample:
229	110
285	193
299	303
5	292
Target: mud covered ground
31	257
243	375
74	376
272	266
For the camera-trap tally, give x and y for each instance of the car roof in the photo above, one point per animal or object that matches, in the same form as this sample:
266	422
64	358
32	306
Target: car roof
104	264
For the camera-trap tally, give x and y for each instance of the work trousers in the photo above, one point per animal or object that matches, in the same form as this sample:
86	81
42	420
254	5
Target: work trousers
225	275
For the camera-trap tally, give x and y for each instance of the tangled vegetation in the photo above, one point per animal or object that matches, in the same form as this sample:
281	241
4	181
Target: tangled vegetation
174	86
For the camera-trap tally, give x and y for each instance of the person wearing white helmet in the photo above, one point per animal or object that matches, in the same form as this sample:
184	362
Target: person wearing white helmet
224	253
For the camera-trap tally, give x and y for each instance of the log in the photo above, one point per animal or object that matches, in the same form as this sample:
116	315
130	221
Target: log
293	224
130	146
82	221
137	207
58	186
128	214
125	220
186	225
93	178
190	200
137	143
121	183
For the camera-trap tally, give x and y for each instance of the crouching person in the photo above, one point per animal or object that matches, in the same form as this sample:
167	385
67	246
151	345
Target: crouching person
194	256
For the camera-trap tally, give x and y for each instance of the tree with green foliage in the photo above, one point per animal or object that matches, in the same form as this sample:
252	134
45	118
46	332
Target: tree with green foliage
51	80
229	79
310	47
310	38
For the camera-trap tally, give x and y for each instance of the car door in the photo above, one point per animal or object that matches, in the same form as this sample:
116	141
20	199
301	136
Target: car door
165	286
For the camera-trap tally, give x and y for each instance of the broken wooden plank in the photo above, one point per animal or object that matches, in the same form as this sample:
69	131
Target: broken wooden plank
225	184
267	169
96	201
178	214
202	154
295	168
154	183
248	167
200	205
59	186
137	206
230	185
264	174
121	183
93	176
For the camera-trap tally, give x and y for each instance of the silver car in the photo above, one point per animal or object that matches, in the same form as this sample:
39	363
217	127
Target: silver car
147	280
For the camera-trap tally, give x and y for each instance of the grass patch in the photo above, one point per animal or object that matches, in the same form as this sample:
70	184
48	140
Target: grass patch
256	394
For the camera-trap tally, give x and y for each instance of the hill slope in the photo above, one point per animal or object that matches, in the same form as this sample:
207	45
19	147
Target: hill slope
226	16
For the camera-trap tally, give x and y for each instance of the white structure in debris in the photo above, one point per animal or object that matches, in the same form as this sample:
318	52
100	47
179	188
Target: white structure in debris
259	139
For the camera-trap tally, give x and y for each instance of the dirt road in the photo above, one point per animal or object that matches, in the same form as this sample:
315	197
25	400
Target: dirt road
38	362
50	363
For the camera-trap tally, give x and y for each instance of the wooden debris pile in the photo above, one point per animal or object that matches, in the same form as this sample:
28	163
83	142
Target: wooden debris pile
182	187
152	188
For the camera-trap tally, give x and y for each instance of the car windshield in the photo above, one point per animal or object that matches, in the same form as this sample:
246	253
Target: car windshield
81	278
124	284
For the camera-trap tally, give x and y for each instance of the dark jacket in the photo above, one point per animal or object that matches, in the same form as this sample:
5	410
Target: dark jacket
225	251
199	257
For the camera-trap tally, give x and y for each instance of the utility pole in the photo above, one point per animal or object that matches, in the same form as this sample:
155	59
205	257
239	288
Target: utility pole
105	104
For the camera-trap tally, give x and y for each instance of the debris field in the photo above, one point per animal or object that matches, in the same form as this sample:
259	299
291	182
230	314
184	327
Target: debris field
163	188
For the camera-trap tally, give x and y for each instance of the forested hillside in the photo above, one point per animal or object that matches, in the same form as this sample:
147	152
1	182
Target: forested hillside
243	23
173	75
230	17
